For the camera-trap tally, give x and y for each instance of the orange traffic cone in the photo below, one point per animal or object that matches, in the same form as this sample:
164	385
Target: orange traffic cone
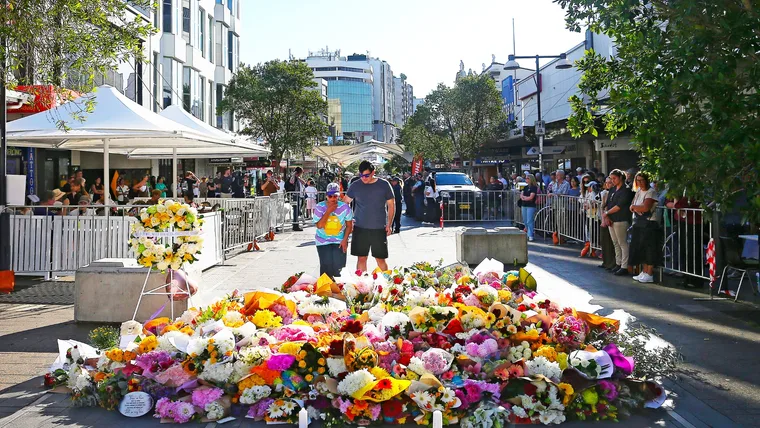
555	238
7	281
585	249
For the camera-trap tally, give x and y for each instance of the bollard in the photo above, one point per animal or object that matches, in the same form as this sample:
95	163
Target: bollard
442	215
437	419
303	419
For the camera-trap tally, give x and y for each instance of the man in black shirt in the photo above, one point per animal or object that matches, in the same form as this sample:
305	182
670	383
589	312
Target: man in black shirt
396	186
618	214
227	184
408	198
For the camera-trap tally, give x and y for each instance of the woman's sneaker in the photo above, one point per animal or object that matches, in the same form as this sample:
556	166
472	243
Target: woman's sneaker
637	277
645	278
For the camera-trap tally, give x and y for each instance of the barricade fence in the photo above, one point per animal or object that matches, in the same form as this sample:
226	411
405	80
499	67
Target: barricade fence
49	240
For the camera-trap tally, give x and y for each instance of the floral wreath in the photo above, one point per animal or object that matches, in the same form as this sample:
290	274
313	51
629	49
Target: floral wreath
167	219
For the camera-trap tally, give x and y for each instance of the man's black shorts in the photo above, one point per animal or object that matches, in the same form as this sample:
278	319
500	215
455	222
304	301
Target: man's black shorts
364	240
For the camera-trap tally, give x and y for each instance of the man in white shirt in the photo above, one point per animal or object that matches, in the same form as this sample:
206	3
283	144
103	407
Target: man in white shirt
503	181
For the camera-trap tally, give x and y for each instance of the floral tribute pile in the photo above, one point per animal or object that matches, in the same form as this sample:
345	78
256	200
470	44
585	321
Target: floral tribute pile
372	348
151	238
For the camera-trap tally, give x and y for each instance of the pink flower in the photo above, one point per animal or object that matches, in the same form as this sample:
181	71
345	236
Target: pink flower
204	396
374	410
173	376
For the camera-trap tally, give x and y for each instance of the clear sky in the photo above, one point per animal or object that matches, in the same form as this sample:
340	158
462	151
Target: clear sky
424	39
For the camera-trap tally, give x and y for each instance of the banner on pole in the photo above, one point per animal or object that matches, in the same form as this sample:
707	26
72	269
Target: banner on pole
417	165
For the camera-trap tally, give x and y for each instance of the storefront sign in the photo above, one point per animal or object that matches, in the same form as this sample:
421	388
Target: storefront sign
30	161
613	145
12	151
417	165
220	161
490	161
136	404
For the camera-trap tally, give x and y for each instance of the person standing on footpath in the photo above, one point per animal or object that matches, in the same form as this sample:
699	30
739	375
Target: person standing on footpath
334	226
408	199
618	214
397	193
295	186
373	220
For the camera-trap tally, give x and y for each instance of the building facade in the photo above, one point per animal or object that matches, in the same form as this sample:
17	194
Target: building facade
403	99
383	117
349	91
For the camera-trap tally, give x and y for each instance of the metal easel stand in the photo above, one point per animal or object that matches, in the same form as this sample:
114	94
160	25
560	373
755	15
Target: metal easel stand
155	292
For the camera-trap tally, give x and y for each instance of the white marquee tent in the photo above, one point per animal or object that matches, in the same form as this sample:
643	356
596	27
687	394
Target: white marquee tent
117	125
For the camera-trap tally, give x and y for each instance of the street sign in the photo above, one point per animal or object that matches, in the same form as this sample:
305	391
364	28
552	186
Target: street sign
540	127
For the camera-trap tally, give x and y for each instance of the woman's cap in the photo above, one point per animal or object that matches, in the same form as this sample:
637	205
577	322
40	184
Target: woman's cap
333	189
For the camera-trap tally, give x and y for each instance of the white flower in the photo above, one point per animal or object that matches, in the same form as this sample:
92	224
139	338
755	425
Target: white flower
214	410
82	381
448	396
519	412
154	222
254	394
219	372
424	399
130	328
275	411
288	407
336	366
160	208
182	211
355	381
417	365
197	346
526	401
162	265
541	366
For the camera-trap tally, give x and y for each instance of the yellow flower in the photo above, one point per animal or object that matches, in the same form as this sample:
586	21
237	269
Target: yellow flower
148	344
505	296
567	392
562	360
309	377
548	352
302	364
266	319
291	348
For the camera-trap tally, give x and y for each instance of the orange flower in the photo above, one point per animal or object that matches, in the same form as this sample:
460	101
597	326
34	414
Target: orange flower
267	375
360	405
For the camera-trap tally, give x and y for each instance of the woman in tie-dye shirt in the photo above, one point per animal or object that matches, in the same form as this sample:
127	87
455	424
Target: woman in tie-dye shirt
334	220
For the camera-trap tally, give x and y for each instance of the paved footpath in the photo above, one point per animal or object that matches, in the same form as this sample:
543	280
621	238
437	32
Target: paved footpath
718	384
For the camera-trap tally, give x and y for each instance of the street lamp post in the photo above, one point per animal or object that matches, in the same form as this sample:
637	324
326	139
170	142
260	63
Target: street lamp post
562	64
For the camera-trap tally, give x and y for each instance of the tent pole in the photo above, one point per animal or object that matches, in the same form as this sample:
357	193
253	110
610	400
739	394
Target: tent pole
106	195
174	172
106	176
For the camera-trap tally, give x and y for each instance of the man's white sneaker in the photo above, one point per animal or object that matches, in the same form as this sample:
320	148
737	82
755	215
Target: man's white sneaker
638	277
645	277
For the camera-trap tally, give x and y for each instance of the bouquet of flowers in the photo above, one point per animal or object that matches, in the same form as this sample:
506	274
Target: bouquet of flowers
569	331
164	216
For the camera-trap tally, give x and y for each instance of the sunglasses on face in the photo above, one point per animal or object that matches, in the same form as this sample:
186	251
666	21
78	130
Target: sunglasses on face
365	175
332	196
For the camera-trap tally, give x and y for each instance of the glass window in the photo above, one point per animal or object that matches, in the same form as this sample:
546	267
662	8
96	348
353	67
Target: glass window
186	16
219	97
167	81
442	179
219	46
202	32
156	96
211	38
202	105
229	5
210	99
186	86
167	11
230	62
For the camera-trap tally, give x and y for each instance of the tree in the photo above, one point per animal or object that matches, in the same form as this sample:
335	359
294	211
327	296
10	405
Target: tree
455	121
684	84
69	43
397	165
276	102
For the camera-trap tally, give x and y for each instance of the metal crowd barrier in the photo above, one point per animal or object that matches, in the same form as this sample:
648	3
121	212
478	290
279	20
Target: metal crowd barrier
686	233
486	205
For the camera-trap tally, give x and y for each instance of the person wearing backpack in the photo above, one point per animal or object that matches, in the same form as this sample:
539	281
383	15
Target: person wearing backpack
295	185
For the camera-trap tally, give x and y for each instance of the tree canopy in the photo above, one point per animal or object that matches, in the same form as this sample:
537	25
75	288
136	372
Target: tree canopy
276	101
69	43
455	121
683	83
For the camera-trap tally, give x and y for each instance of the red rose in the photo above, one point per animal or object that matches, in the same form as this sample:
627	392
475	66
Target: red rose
374	276
398	280
392	409
358	272
352	326
336	347
394	292
379	288
530	389
521	308
49	380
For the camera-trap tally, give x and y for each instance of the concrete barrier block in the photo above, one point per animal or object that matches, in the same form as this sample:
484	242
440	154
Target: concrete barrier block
506	244
107	291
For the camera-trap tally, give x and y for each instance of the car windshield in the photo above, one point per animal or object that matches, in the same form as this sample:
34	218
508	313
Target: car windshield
452	180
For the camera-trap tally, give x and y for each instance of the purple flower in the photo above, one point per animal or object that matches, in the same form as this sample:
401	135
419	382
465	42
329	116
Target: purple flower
282	311
460	395
609	389
259	409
